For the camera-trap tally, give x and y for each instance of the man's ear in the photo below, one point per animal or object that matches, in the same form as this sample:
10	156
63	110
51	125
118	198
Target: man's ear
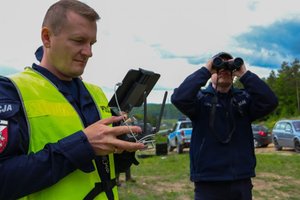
46	35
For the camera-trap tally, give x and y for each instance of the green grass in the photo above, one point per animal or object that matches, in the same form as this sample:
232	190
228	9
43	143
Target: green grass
279	175
167	177
159	177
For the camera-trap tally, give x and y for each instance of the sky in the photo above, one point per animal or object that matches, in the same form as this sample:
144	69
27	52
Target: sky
170	37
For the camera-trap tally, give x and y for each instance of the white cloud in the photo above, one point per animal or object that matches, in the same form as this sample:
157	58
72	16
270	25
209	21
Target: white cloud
129	29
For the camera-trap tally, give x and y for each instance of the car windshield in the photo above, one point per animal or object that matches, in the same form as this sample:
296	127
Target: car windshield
259	128
296	125
186	125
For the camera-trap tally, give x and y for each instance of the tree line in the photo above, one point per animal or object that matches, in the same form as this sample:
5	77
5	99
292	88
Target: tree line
285	83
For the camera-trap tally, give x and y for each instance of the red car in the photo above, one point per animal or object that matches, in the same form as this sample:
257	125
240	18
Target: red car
261	135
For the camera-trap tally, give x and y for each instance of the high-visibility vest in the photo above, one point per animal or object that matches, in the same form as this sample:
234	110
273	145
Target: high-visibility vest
50	117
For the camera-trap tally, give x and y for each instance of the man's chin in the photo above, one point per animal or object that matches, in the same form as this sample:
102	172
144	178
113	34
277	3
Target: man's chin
77	74
78	71
224	84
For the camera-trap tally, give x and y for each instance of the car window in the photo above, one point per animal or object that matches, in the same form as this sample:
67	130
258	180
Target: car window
186	125
288	127
277	126
260	128
254	128
281	126
183	125
296	125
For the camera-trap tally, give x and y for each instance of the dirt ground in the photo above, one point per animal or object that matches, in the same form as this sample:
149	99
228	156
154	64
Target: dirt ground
271	149
263	187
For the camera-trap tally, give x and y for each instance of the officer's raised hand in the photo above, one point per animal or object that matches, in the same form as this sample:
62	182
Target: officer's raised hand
209	66
241	71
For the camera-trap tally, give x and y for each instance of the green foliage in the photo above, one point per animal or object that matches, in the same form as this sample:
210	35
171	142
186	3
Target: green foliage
153	110
159	139
286	85
169	117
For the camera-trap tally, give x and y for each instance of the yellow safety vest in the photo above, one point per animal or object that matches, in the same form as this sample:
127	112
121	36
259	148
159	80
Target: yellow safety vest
50	117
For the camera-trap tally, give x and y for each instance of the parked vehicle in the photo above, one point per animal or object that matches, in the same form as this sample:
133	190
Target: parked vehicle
286	133
180	136
261	135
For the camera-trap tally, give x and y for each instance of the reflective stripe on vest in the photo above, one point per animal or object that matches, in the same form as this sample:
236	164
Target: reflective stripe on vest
50	117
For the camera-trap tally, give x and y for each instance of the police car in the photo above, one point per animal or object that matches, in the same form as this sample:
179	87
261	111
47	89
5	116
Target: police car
180	136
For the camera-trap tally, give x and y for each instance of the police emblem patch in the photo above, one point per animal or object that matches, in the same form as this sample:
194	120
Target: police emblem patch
3	134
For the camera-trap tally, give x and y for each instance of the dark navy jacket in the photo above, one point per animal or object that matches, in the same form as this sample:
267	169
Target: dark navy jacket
212	159
22	174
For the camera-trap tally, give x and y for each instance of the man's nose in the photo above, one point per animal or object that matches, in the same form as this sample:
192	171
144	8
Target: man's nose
87	50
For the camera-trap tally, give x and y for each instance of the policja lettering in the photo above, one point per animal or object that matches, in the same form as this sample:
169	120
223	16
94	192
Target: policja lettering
5	108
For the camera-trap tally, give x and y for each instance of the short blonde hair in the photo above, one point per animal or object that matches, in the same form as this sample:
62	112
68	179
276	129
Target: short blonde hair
55	17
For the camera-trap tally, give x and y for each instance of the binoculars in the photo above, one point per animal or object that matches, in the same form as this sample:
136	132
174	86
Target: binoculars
232	65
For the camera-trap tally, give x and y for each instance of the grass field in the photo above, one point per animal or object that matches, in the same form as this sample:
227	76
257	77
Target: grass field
167	177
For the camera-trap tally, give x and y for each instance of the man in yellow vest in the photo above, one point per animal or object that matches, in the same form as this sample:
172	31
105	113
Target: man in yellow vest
56	138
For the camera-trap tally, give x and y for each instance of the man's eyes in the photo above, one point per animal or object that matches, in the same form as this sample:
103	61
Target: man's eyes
78	40
82	41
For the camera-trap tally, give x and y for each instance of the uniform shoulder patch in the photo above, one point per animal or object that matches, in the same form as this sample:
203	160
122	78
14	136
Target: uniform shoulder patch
3	134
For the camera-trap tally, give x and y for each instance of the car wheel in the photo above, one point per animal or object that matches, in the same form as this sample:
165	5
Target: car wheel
297	146
170	148
256	144
179	148
276	145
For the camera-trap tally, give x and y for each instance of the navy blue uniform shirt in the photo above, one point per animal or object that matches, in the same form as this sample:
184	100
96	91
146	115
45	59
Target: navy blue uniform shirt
212	159
22	174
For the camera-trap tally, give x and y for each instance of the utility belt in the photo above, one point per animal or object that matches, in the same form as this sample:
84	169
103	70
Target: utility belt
106	187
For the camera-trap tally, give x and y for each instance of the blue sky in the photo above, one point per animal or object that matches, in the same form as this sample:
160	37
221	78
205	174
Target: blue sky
269	45
171	37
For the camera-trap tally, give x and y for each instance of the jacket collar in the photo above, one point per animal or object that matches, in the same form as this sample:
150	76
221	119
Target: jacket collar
56	81
211	90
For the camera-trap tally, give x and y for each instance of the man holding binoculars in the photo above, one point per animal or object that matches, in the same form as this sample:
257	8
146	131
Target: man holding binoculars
222	157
